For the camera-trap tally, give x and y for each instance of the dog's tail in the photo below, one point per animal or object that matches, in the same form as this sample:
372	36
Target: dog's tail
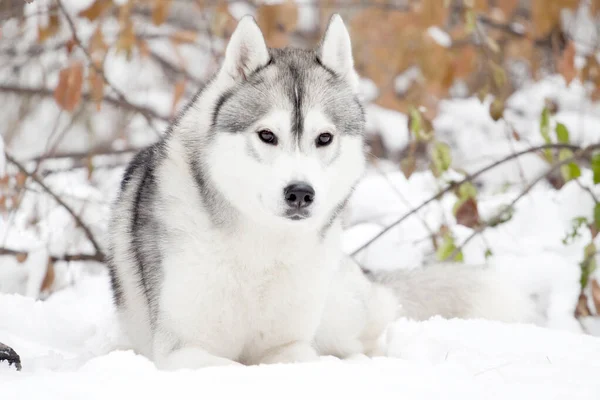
455	290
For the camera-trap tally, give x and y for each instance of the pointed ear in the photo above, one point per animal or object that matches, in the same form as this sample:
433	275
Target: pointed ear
335	51
246	50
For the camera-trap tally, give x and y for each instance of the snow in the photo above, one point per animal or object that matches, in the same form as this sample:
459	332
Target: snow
70	348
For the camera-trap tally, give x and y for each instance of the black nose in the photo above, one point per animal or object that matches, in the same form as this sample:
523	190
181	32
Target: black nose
299	194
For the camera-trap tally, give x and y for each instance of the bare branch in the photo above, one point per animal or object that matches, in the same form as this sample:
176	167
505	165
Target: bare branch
470	178
80	223
119	103
66	257
499	216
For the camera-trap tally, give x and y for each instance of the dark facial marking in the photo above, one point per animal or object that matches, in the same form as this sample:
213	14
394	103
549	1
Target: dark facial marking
297	92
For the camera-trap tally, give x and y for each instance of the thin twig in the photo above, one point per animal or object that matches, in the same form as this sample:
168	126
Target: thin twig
65	257
499	216
38	180
119	103
469	178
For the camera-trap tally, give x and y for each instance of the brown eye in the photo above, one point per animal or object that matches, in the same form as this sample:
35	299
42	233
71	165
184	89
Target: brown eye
324	139
267	136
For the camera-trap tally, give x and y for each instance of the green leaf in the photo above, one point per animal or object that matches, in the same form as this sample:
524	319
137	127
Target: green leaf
545	132
416	122
588	265
447	248
470	20
571	170
467	190
488	253
545	125
595	165
576	225
562	133
597	216
441	158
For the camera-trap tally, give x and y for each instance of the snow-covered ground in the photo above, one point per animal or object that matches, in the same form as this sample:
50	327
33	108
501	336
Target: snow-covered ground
70	349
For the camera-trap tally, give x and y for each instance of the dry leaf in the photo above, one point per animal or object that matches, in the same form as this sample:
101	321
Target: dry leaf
21	257
595	8
49	30
182	37
545	15
582	309
68	91
591	70
177	95
566	64
433	13
160	11
467	213
96	86
48	278
596	295
96	9
277	21
126	39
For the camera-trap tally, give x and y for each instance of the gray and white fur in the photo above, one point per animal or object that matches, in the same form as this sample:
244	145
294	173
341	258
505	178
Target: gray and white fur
225	237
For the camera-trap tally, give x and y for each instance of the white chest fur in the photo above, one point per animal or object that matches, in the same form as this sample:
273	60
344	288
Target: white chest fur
240	293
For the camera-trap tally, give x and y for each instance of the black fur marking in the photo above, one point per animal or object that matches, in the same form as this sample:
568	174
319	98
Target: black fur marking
326	68
253	79
143	226
220	103
297	93
117	289
212	200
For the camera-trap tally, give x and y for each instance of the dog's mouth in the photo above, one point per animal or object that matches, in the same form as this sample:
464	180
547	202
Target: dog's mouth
297	215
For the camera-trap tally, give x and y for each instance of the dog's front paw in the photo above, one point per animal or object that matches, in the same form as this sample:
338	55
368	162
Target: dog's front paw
290	353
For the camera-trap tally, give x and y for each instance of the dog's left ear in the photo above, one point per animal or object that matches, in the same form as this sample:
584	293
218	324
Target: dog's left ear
335	51
246	50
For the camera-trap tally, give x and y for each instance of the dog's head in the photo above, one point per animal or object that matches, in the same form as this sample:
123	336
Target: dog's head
287	129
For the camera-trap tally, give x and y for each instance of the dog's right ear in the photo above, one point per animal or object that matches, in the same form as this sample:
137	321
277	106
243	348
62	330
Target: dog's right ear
246	50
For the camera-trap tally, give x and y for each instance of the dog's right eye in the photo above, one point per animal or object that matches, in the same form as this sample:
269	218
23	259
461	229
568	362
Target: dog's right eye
267	136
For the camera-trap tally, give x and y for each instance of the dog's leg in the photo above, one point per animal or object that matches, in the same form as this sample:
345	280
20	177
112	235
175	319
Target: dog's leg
290	353
191	358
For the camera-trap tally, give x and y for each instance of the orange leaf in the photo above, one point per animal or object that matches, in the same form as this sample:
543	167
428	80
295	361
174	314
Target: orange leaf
545	14
566	64
68	91
126	39
21	257
177	95
467	213
277	21
50	30
97	44
596	295
48	278
433	12
96	87
160	11
96	9
182	37
595	8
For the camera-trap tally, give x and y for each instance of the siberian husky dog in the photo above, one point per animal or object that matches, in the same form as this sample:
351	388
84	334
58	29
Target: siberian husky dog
225	237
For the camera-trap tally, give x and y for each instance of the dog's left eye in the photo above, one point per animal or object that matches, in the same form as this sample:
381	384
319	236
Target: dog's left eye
267	136
324	139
